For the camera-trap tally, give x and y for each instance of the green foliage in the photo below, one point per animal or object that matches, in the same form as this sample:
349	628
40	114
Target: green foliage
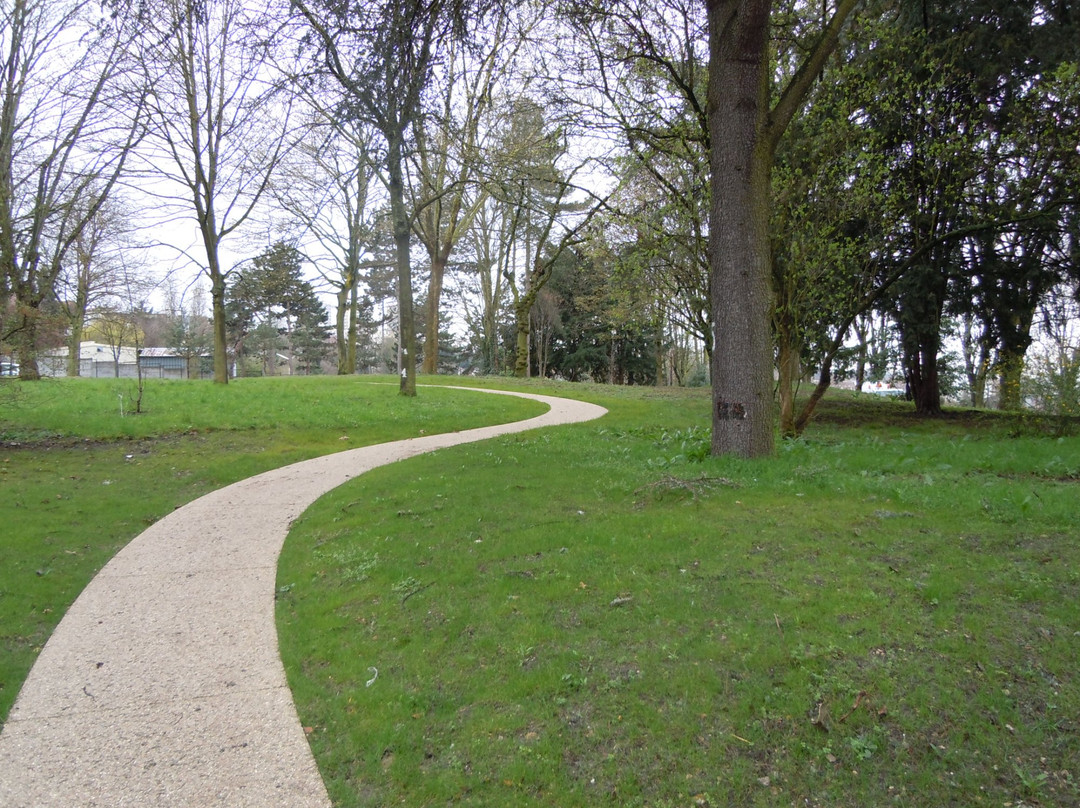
270	306
1053	383
596	331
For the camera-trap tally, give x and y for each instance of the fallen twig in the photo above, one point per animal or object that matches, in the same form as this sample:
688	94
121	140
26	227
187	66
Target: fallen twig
418	589
858	700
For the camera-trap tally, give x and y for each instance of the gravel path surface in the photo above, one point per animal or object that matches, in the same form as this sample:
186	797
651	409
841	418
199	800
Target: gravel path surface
162	685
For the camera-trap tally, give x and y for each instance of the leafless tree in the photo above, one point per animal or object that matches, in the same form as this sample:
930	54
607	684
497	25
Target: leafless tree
95	270
218	125
545	207
449	156
325	193
67	125
382	54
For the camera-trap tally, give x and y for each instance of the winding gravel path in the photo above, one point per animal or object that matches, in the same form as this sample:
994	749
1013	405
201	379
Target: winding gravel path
162	685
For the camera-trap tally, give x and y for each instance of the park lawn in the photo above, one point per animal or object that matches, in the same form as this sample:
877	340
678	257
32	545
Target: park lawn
601	614
78	479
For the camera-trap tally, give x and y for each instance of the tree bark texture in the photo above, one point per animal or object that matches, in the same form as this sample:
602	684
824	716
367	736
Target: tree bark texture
75	347
1015	340
921	305
743	410
1010	373
521	343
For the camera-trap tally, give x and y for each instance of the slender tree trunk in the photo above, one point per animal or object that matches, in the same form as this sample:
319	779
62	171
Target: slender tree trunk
431	335
523	321
75	346
402	232
743	411
861	326
789	371
824	382
340	331
978	377
658	347
217	305
521	360
354	325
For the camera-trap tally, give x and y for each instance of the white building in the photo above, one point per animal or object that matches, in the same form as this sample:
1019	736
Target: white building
95	361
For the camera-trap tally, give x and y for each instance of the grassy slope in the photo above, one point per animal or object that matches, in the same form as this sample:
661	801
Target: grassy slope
886	613
78	480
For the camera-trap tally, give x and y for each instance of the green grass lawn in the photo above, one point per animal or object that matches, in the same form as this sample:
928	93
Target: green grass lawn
78	479
884	614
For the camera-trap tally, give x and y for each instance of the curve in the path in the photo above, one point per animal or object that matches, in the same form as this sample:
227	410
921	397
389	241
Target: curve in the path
162	685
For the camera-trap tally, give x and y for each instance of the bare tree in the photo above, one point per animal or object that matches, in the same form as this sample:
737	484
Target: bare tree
93	272
324	190
545	208
483	291
381	54
641	82
118	328
218	123
448	156
67	125
189	332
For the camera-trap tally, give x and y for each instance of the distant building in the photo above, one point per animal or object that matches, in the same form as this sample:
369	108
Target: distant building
883	389
95	361
166	363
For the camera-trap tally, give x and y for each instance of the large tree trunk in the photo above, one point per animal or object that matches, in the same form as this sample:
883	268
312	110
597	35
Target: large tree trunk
921	373
920	305
25	342
743	411
1015	340
1010	370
